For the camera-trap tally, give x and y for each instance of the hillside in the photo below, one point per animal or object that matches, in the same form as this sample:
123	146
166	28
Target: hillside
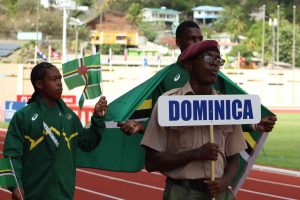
116	21
111	21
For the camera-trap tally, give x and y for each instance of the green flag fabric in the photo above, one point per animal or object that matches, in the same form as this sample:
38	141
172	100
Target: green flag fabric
120	152
6	174
84	72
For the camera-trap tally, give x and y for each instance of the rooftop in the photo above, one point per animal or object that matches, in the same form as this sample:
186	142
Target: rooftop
162	10
208	8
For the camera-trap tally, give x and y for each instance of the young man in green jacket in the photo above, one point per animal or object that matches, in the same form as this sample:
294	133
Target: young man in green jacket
43	137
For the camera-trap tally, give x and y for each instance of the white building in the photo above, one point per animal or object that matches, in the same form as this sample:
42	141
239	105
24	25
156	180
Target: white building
206	14
163	14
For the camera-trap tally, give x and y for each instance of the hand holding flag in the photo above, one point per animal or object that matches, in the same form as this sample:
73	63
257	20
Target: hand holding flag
84	71
101	107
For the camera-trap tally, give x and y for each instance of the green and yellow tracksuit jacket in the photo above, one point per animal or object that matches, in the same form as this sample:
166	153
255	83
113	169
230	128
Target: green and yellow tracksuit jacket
42	142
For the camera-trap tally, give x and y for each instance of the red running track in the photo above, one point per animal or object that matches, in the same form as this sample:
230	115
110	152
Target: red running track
92	184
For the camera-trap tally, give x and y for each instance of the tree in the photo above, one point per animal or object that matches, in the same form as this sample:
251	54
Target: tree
51	25
150	29
233	19
133	13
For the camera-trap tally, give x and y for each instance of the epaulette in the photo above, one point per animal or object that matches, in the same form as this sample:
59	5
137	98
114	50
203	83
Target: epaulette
170	92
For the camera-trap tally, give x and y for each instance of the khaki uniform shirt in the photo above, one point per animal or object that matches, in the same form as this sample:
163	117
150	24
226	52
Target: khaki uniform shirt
179	139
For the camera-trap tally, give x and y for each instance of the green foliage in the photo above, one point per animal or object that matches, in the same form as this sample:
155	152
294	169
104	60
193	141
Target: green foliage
7	7
6	26
150	29
27	52
85	2
27	6
244	51
21	15
117	49
133	13
51	23
254	36
234	21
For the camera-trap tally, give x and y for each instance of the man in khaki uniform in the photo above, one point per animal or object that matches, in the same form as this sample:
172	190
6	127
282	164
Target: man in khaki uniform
183	154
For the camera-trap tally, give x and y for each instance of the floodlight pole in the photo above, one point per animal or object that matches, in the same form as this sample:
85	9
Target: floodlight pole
273	24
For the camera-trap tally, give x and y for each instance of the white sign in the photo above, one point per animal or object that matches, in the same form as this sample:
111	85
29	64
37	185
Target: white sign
195	110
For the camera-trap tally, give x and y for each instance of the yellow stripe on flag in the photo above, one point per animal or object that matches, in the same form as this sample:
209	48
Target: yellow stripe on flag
249	139
147	104
5	171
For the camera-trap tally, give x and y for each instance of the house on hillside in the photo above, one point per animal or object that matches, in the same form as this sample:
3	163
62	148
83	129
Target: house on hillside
110	29
163	14
206	14
125	38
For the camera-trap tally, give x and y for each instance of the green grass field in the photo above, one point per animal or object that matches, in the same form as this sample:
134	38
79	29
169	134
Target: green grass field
282	148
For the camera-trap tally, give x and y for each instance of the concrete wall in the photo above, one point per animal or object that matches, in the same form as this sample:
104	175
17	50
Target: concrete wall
275	87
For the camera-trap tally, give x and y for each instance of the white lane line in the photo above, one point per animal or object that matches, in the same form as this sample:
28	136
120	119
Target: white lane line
156	173
121	180
97	193
249	178
82	189
275	183
276	170
268	195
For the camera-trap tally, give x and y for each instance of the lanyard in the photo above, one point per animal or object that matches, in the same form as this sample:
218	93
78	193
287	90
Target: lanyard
47	129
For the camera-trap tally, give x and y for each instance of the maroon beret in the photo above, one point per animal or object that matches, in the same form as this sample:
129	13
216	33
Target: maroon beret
198	48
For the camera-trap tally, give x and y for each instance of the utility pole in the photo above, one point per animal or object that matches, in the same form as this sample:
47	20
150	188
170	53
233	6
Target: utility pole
64	36
67	5
37	31
277	38
294	49
294	36
263	37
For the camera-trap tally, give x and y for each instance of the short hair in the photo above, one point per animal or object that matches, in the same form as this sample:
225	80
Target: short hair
37	73
185	24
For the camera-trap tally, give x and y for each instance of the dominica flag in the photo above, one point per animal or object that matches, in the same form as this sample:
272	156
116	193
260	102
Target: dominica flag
85	72
6	174
120	152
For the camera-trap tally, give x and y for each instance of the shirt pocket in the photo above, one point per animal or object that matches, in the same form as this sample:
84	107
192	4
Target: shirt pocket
180	139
